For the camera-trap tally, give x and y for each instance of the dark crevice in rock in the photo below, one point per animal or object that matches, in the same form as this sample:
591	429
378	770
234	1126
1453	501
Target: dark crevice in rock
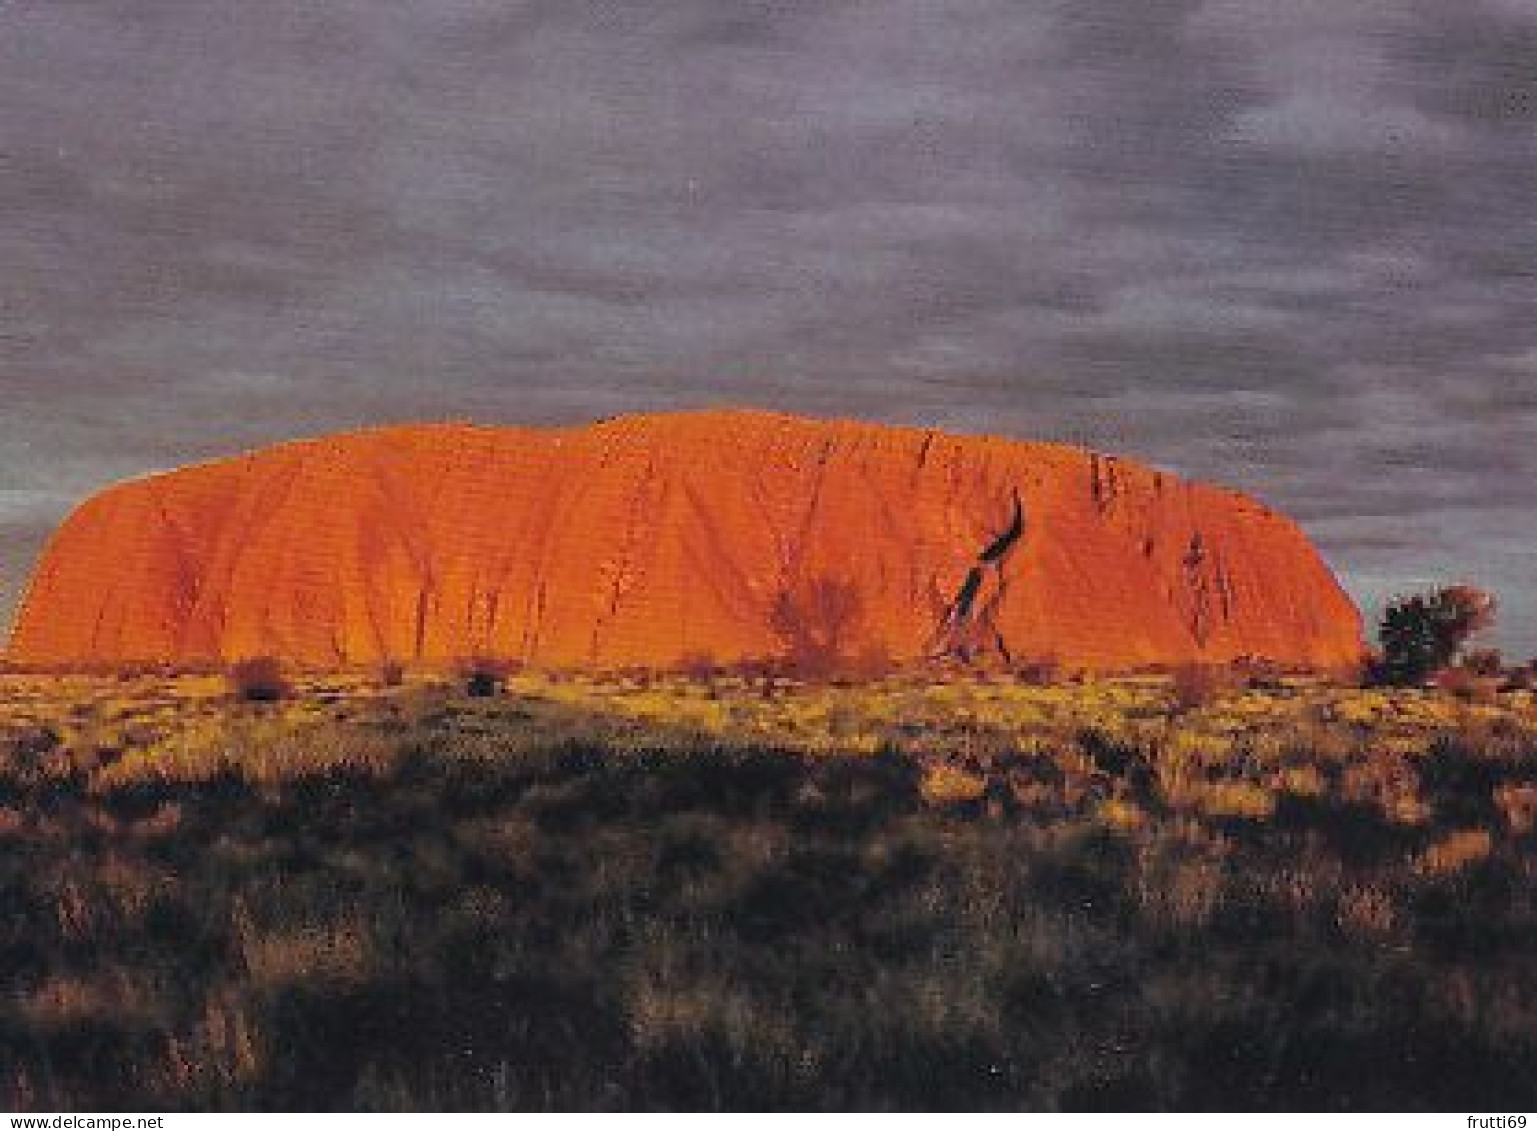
966	631
1005	541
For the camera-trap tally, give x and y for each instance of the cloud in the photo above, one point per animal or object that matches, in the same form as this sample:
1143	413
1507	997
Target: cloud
1287	246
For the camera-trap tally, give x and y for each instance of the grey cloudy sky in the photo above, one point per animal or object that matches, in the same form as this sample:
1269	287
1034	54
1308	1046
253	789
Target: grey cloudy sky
1287	246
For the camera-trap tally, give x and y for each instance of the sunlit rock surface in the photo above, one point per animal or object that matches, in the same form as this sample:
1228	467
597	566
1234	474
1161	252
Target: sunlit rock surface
672	539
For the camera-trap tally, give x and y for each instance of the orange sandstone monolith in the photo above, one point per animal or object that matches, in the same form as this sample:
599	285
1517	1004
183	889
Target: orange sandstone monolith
664	540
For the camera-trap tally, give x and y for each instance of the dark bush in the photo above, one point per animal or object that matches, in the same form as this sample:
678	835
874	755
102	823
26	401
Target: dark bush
259	679
1041	672
484	676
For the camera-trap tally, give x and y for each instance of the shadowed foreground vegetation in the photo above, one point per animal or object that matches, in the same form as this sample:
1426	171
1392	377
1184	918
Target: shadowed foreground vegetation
721	893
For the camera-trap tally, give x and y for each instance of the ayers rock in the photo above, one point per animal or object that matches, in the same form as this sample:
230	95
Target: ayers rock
660	540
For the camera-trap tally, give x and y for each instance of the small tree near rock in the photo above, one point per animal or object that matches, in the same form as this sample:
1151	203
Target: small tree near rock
1423	633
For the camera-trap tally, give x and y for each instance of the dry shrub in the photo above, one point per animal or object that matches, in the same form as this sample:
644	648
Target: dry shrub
1042	672
699	667
483	676
392	673
1466	685
1036	781
1365	911
1178	893
944	784
77	915
95	997
258	679
1302	781
1237	799
164	820
1519	679
222	1049
1455	852
1121	814
663	1012
1258	673
1406	809
1199	685
1518	805
334	953
1486	662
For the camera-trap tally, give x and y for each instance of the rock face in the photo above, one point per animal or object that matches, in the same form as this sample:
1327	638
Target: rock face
664	540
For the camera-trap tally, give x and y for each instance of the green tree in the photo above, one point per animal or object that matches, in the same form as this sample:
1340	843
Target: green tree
1422	633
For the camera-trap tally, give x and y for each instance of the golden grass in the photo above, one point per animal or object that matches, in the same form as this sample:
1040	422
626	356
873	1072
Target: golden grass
1234	755
745	888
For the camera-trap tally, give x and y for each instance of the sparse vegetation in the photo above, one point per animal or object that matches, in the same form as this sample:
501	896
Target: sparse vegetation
670	893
